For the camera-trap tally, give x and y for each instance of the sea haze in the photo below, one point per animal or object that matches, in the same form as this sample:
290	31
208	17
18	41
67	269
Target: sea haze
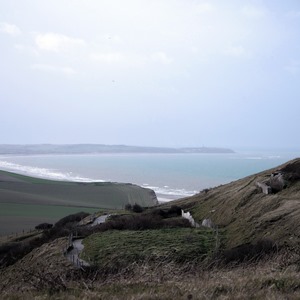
171	176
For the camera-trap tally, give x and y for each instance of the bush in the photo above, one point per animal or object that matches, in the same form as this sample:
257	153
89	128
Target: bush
44	226
131	222
172	212
71	219
128	206
176	222
140	222
137	208
11	252
247	252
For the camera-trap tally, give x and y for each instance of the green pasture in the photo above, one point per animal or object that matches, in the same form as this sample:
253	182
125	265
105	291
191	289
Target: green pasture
33	210
118	249
16	217
27	201
15	188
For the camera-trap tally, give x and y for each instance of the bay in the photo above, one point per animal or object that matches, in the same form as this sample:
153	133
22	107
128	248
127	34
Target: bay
171	176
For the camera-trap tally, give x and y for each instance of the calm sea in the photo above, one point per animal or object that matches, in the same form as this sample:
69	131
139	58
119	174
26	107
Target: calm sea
171	176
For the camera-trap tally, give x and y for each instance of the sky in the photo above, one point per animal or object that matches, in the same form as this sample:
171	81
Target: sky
176	73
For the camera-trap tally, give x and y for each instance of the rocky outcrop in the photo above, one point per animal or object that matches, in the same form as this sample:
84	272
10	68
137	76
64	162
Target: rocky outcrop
266	189
277	182
281	178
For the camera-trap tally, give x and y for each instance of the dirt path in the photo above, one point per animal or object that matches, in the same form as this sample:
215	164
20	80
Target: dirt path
100	220
73	254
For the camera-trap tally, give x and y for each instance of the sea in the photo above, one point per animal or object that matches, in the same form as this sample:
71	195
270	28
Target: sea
171	176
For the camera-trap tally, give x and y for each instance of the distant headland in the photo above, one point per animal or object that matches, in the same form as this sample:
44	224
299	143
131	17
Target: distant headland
33	149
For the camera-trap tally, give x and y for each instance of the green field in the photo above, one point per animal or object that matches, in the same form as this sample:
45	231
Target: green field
122	248
16	218
47	211
27	201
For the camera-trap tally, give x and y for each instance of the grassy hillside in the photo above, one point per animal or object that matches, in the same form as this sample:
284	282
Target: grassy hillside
27	201
45	274
249	215
155	255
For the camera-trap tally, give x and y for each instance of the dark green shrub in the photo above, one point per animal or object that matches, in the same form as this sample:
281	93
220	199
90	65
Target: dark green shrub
137	208
71	219
174	211
44	226
248	251
128	206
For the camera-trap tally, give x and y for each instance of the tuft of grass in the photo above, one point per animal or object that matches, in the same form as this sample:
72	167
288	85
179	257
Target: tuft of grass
284	284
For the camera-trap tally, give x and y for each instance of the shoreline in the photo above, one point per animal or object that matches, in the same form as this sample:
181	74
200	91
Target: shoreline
170	177
162	198
163	194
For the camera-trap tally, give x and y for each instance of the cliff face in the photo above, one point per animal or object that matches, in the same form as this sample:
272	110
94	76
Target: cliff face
247	214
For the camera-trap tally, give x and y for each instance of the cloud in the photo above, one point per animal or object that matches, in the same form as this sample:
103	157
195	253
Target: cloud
161	57
129	59
54	42
113	38
293	67
204	8
253	12
54	69
236	51
26	49
108	58
294	14
10	29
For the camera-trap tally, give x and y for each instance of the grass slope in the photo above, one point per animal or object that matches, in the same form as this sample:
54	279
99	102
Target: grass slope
171	263
44	200
247	214
46	274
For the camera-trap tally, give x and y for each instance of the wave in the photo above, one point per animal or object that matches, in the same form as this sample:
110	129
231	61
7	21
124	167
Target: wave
44	173
172	192
264	157
164	192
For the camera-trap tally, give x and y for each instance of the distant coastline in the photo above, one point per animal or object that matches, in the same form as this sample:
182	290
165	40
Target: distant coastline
7	149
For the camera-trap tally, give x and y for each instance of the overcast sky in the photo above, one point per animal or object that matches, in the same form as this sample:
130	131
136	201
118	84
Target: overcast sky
150	72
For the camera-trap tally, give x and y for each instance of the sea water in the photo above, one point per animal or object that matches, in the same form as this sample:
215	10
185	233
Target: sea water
171	176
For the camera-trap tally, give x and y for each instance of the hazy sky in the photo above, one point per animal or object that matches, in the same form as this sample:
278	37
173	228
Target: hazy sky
150	72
